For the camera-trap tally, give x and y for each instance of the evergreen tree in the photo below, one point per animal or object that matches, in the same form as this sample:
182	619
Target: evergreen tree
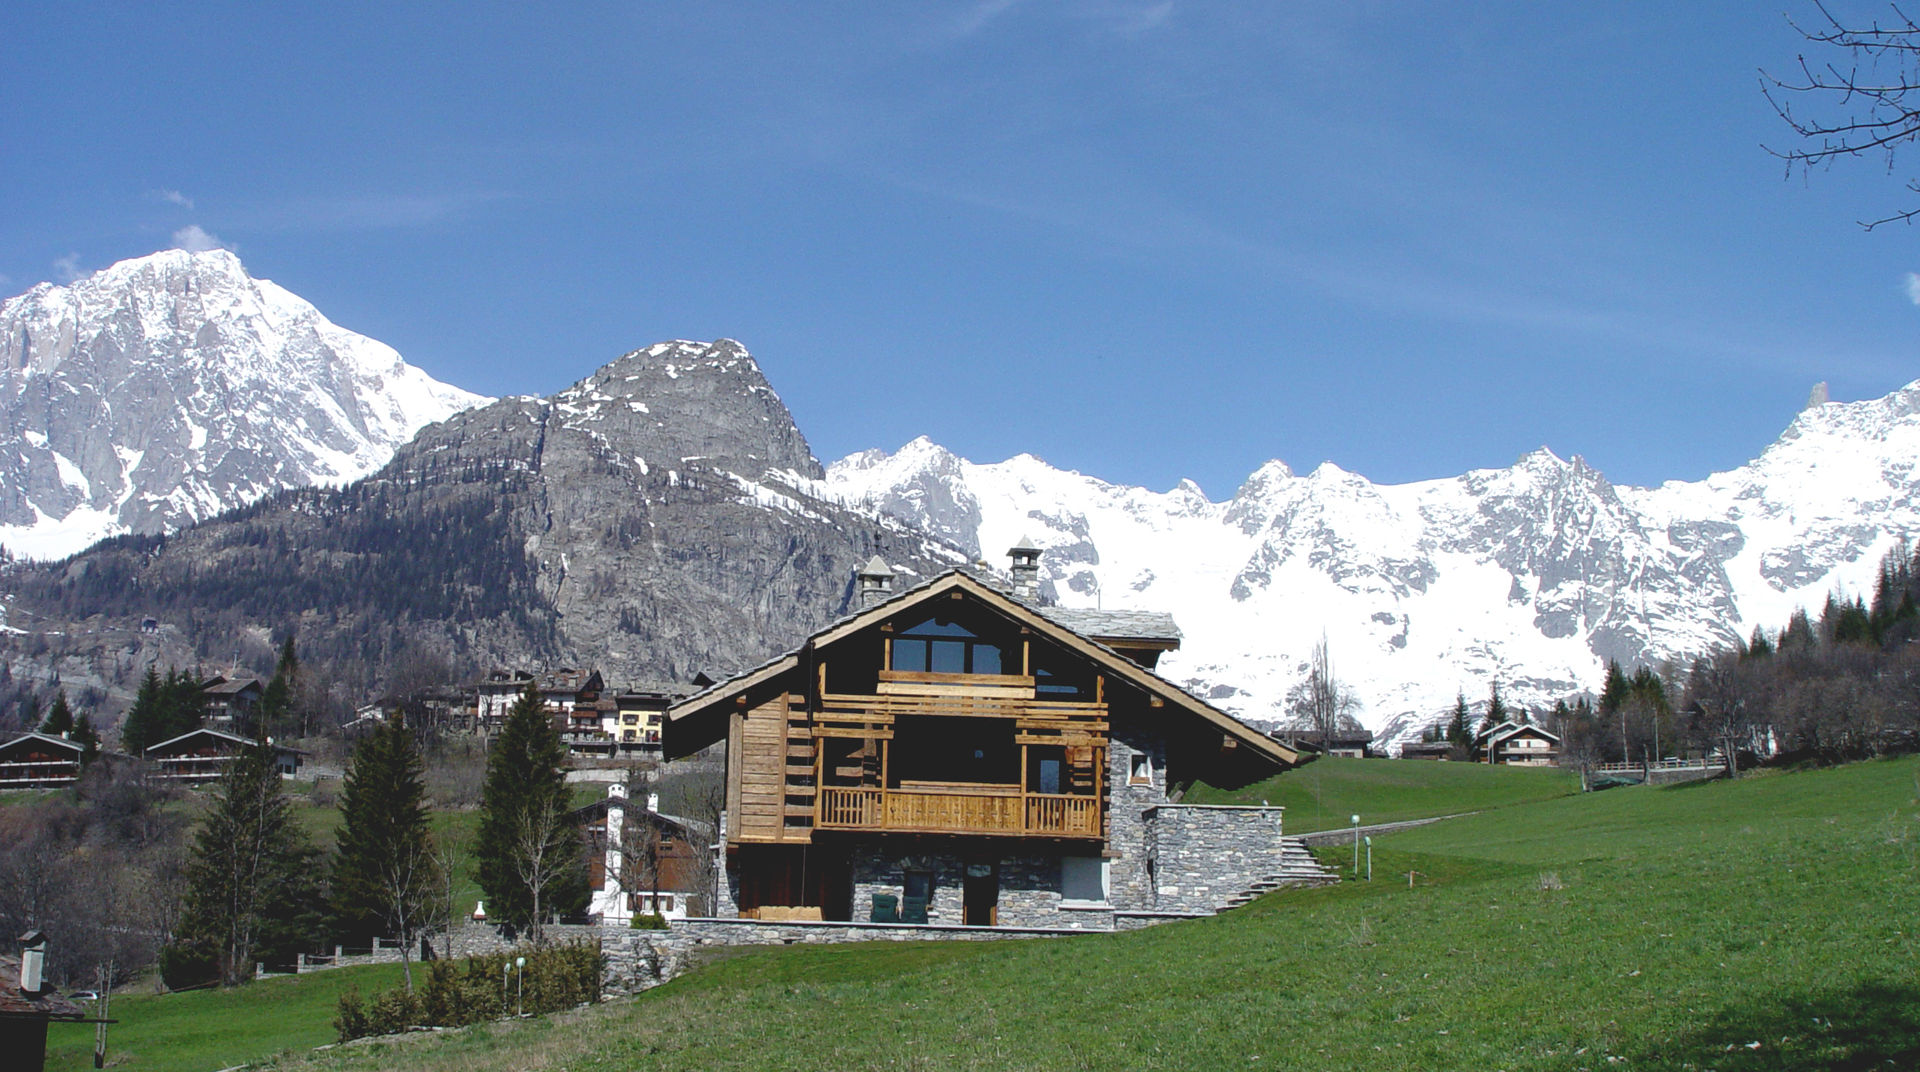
252	887
143	719
59	716
276	700
1496	710
1614	692
87	738
1457	727
1759	647
383	868
528	853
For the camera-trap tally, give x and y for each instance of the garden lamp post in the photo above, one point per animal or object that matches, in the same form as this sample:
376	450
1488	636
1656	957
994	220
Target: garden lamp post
519	986
1356	844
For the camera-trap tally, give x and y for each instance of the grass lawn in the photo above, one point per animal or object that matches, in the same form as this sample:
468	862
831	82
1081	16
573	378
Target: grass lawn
1324	794
1765	924
203	1030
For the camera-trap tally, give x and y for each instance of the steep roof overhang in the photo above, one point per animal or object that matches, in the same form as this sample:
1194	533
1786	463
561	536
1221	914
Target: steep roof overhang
696	717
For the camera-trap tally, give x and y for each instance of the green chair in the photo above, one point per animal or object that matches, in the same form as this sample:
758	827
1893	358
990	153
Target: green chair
886	908
913	910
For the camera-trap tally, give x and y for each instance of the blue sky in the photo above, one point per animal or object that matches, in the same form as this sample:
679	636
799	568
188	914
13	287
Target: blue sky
1148	240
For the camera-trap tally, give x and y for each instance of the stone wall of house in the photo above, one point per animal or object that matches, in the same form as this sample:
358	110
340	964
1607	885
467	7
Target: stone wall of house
1029	886
1129	884
1202	855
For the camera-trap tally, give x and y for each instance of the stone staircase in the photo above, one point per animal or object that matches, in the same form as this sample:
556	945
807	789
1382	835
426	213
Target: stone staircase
1297	868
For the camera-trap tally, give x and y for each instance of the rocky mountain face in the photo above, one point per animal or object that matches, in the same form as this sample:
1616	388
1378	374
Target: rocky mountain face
165	389
659	518
1532	576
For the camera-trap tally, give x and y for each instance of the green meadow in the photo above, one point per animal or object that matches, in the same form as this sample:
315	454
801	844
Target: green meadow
1326	793
1768	923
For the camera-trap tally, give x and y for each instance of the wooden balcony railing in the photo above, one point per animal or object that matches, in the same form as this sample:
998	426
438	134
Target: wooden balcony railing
974	811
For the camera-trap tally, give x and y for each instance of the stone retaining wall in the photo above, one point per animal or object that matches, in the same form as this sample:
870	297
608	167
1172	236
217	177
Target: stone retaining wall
1201	855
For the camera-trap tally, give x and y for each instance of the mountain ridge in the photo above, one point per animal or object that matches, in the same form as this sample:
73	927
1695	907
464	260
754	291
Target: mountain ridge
163	389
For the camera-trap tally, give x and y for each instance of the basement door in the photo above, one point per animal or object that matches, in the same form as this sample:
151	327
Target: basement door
980	896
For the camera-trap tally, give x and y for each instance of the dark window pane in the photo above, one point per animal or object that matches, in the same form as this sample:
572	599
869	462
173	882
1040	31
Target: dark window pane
1049	776
986	659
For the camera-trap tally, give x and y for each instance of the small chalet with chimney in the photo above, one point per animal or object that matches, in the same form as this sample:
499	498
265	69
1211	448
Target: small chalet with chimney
28	1003
640	862
961	753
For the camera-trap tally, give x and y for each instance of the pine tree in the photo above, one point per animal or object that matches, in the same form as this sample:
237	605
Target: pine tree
276	700
87	738
1615	691
1496	710
252	891
528	853
1457	727
59	716
384	873
142	725
1759	647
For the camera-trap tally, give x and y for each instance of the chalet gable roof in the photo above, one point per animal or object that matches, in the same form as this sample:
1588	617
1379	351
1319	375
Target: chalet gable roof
962	582
55	742
218	735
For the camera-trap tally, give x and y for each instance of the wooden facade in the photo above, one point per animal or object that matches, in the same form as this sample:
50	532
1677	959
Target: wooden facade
37	761
953	718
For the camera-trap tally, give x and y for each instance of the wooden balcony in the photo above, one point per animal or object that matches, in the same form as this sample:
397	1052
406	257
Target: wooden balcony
958	810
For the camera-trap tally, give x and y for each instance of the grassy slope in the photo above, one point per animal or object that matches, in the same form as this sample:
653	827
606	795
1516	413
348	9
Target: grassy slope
1643	928
202	1030
1323	794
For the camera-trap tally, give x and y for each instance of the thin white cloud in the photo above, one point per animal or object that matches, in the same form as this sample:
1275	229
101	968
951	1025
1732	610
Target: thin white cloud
194	239
1134	19
174	197
977	15
1913	287
67	268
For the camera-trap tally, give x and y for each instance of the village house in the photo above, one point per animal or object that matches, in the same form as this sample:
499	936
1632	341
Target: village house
230	703
39	761
204	754
1518	745
640	862
961	753
571	698
1349	738
638	717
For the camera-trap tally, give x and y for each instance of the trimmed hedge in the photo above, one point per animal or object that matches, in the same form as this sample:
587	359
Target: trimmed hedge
470	991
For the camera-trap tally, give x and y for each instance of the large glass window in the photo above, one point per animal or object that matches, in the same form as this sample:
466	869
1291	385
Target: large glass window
937	647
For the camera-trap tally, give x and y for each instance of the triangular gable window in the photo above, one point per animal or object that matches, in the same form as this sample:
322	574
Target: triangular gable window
944	647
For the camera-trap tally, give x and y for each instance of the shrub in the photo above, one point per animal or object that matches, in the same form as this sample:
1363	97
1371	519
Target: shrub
479	988
651	921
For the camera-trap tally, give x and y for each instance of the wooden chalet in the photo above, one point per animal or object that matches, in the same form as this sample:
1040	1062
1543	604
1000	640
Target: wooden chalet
959	753
39	761
641	862
1519	745
204	754
231	702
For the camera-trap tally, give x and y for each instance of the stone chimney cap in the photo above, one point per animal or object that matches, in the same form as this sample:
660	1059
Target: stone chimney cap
876	567
1025	546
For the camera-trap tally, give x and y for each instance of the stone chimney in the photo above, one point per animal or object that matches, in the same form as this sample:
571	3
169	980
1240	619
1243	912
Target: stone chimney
875	583
1026	570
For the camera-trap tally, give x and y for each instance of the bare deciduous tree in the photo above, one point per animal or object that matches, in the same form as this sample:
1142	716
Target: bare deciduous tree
1872	79
1320	703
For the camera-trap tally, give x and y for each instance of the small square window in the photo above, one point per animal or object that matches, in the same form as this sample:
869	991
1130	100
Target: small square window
1141	772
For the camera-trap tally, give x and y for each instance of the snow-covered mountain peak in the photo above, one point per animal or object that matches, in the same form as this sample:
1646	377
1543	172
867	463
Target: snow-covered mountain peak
1532	575
162	389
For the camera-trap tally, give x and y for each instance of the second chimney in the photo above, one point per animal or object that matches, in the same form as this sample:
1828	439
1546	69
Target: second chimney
875	581
1025	571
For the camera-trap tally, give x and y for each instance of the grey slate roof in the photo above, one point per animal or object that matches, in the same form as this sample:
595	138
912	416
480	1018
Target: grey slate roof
1114	624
